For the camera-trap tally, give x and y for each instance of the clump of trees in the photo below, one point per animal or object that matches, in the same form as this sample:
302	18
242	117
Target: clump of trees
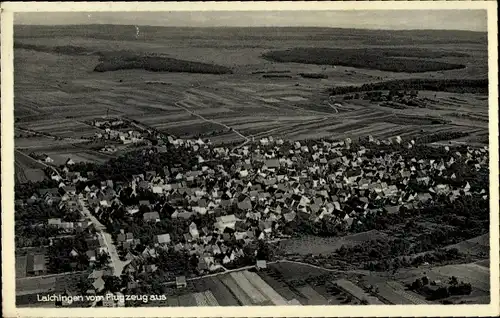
454	287
276	76
59	255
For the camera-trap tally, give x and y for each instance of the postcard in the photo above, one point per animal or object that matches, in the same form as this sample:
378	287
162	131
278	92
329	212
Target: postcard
250	159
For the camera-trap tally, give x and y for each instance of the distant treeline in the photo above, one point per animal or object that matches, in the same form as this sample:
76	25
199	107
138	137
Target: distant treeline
276	76
313	75
65	49
123	60
440	85
249	37
410	60
441	136
270	72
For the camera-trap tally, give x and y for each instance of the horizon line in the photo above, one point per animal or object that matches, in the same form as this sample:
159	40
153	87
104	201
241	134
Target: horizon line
249	27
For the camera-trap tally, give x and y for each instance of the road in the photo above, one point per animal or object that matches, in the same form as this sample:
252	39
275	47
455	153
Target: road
209	120
37	161
38	133
332	106
360	272
116	264
227	271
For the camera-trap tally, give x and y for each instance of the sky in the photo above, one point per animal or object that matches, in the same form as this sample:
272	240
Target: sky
472	20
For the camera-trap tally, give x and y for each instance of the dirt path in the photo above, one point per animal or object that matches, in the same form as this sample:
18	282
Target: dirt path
209	120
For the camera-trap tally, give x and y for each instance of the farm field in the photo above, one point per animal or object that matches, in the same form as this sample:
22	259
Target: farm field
475	274
478	246
28	288
57	89
27	169
317	245
249	288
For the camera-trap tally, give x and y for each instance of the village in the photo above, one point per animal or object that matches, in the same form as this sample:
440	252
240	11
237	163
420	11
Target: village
225	210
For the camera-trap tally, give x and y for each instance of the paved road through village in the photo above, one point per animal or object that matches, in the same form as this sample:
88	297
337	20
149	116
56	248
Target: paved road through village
116	264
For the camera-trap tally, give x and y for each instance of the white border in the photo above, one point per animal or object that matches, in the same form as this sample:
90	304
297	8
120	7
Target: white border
8	258
244	6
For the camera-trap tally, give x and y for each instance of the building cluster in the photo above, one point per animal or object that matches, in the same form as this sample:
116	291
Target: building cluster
266	189
117	130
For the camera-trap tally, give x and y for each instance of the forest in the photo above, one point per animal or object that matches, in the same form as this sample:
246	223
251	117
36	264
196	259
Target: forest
408	60
460	220
479	86
313	75
158	64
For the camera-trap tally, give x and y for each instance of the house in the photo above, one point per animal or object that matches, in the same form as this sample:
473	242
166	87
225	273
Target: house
129	236
36	264
272	163
180	282
150	268
163	238
91	255
151	217
228	221
245	205
71	190
73	253
261	264
54	221
289	217
157	190
49	192
130	256
149	252
193	230
392	209
121	237
203	264
98	284
424	197
150	175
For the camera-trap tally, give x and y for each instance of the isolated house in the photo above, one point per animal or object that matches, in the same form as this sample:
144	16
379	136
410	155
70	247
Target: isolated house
180	281
36	264
98	284
261	264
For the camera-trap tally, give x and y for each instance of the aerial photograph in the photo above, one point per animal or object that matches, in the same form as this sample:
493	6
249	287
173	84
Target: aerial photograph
251	158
